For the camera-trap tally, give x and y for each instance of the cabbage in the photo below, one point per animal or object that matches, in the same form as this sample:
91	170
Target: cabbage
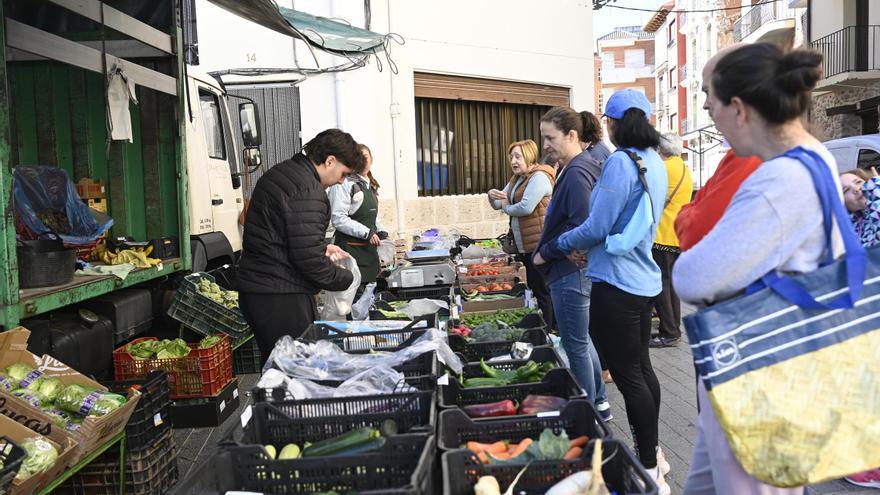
50	388
173	349
143	350
160	349
87	401
6	382
41	455
208	342
18	372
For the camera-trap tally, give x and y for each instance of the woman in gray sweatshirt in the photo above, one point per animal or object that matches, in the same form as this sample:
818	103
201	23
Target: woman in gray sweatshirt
757	95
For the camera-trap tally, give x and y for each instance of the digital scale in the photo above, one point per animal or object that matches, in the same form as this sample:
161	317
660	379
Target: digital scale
426	268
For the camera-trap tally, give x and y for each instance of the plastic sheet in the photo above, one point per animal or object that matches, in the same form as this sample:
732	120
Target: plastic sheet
386	250
361	309
380	380
41	189
324	360
420	307
338	304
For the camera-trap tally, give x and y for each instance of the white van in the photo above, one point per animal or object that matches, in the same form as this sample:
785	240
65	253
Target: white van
855	152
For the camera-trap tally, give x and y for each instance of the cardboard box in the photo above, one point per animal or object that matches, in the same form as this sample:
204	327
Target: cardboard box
94	431
90	189
489	306
66	447
97	204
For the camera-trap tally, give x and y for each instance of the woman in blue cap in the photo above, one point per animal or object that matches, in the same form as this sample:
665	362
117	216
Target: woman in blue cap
625	277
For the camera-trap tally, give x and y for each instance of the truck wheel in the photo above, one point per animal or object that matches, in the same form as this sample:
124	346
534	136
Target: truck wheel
199	257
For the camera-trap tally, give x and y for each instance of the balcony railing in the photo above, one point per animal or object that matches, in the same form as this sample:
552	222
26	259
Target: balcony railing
761	15
852	49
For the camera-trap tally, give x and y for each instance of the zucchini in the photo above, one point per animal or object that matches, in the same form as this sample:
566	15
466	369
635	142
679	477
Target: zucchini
341	442
362	448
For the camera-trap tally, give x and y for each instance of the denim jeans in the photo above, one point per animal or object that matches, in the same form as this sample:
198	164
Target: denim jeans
571	303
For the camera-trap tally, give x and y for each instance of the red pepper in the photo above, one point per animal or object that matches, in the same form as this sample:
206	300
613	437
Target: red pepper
534	404
501	408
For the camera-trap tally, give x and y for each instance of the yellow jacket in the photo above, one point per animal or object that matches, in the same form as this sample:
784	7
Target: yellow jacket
677	172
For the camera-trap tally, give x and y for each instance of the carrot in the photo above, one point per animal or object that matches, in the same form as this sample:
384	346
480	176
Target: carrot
573	453
476	447
501	456
521	447
579	441
497	448
483	457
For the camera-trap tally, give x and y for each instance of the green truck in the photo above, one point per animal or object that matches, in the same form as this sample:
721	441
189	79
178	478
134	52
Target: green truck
179	177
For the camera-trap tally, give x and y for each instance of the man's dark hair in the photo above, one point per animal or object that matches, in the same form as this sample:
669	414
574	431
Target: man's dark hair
339	144
592	128
634	131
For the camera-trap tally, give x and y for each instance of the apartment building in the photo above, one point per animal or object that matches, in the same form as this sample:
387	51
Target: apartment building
847	33
627	61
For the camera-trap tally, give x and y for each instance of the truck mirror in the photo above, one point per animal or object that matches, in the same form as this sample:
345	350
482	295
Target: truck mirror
251	134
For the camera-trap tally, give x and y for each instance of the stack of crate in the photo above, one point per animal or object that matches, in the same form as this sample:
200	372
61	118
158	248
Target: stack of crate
150	452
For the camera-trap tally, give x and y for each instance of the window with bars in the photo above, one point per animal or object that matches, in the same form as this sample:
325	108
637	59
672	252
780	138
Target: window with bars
461	146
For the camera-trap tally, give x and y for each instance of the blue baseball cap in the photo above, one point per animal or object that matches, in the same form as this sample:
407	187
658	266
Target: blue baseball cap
623	100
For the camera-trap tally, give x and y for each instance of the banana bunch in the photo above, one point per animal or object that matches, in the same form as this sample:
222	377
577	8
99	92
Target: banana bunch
137	256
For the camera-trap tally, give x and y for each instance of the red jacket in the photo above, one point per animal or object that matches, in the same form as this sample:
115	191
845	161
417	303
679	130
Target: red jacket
697	218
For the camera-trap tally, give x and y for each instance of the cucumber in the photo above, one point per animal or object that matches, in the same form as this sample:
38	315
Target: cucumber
363	448
342	442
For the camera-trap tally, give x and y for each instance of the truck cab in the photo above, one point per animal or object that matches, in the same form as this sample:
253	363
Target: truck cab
215	165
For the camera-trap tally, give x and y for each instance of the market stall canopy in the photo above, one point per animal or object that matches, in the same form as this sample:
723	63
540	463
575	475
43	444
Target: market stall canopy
321	33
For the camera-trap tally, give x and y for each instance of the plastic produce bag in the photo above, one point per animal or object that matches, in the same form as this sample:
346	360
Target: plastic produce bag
361	309
386	250
87	401
39	191
380	380
324	360
338	304
41	455
419	307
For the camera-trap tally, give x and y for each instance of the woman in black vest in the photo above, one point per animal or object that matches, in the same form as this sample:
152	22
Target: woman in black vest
354	213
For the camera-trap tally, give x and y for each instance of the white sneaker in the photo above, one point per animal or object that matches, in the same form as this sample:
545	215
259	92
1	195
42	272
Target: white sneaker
662	462
657	475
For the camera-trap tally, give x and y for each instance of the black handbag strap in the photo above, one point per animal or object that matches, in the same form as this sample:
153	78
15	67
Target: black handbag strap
642	170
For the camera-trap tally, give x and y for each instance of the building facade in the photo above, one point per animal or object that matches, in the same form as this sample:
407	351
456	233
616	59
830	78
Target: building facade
847	33
460	91
627	62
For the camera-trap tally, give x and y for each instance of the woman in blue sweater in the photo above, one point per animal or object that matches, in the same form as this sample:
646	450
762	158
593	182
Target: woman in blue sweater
561	128
624	285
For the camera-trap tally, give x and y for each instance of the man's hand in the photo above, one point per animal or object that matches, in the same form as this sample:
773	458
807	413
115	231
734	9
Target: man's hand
374	240
578	258
497	195
537	259
335	253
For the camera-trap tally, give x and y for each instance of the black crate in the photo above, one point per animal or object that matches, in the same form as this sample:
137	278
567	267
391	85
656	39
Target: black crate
208	411
623	474
403	466
11	456
130	311
531	320
558	382
164	248
413	410
455	428
474	351
151	417
203	315
151	472
540	355
270	426
246	358
363	342
440	292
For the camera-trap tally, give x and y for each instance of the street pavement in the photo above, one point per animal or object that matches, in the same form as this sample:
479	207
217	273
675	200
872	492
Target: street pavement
678	414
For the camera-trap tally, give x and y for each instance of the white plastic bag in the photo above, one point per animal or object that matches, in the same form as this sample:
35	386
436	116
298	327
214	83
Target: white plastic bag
386	250
361	309
338	304
419	307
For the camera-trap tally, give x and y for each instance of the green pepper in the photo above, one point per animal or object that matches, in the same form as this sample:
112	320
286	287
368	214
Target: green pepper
527	370
485	382
487	370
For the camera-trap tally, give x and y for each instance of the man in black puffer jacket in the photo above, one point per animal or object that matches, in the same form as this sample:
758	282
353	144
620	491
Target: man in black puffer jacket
285	259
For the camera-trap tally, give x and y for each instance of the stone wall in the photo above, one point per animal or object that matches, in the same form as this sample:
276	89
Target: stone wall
471	215
838	126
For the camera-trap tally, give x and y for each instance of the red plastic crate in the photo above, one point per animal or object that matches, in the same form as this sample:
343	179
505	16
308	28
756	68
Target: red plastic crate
203	373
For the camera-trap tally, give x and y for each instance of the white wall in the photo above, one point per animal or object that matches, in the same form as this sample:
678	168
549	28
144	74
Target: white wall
519	40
